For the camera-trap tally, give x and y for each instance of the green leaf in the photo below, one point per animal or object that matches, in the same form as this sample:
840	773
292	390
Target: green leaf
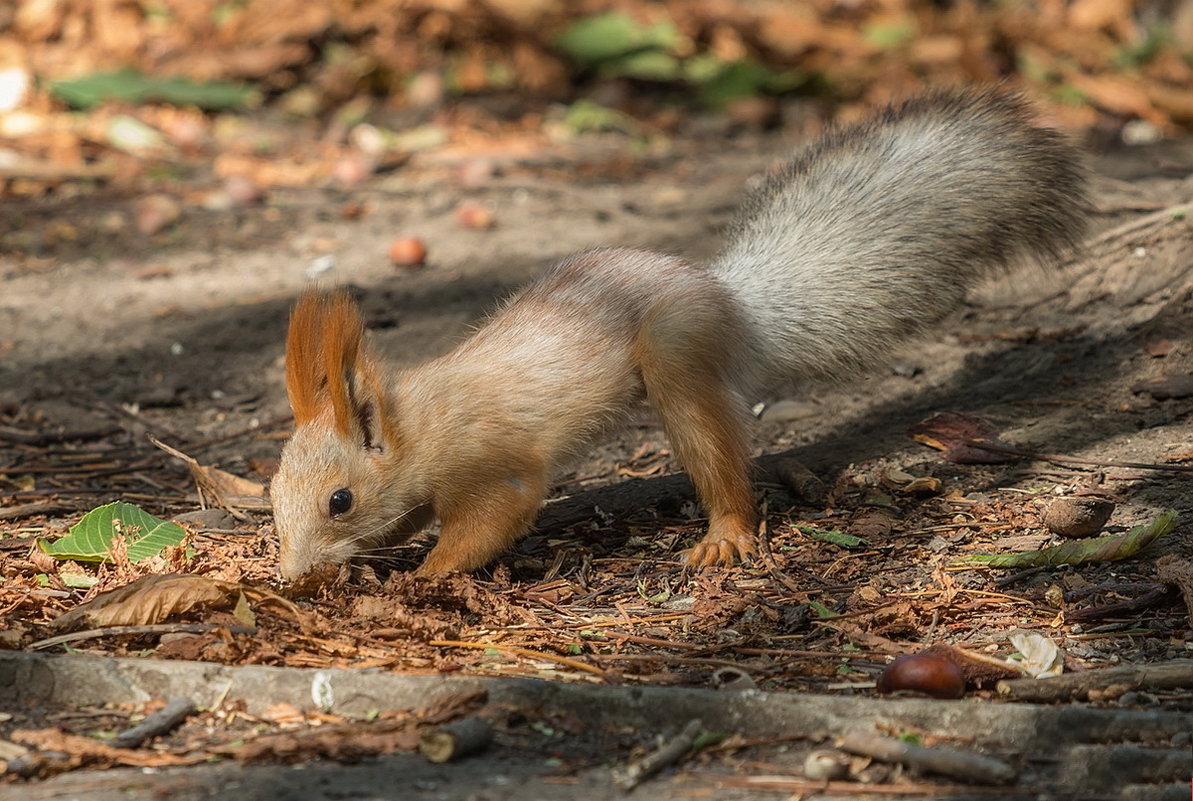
889	35
649	65
707	739
90	540
835	536
609	36
658	598
131	86
822	611
1078	552
585	116
733	81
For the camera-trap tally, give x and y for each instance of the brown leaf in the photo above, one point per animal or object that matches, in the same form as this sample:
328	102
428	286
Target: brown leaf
1158	349
154	598
151	599
956	433
219	487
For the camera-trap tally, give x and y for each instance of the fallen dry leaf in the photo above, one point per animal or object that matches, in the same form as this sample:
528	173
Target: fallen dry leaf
219	487
154	598
955	433
1159	348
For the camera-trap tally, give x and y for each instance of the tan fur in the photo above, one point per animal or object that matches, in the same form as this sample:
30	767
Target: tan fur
866	237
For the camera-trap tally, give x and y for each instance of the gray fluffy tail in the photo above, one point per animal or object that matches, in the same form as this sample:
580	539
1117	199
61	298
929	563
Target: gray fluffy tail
878	230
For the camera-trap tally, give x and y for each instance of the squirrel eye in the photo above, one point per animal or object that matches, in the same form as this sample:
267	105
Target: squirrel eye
340	503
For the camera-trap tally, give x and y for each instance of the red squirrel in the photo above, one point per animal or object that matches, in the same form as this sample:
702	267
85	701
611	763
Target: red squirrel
867	236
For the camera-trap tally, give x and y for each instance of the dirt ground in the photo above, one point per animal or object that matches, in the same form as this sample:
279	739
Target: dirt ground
109	336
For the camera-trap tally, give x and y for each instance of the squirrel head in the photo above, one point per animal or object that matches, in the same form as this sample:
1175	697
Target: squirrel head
337	492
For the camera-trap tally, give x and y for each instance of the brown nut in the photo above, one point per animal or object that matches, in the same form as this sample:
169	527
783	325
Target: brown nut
407	251
471	214
930	674
1078	515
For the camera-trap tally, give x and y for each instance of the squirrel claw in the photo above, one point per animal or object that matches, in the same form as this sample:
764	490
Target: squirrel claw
720	550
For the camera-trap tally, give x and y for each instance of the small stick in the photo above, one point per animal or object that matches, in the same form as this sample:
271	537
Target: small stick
21	437
160	722
23	510
1052	457
1156	597
456	740
670	752
944	761
152	628
1177	674
524	652
798	786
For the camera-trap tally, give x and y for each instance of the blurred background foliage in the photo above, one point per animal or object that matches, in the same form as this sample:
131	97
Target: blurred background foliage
1114	69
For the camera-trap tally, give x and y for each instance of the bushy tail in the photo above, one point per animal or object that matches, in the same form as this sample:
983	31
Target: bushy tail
877	230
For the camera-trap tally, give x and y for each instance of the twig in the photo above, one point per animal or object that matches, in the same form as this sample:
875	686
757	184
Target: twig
1177	674
526	652
8	434
456	740
30	509
772	566
1166	215
160	722
797	786
248	431
670	752
1050	457
674	660
53	171
944	761
154	628
1149	599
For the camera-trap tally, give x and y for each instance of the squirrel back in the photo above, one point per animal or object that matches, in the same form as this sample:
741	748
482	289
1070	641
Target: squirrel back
877	230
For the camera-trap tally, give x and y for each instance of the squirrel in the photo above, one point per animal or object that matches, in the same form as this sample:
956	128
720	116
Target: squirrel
864	238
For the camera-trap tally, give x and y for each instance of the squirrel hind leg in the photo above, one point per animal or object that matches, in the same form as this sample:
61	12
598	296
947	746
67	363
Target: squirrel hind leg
682	365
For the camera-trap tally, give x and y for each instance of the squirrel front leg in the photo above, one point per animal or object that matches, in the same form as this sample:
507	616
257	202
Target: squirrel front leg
482	525
683	365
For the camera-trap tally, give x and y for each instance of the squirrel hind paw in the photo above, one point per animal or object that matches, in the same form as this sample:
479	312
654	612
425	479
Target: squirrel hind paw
721	549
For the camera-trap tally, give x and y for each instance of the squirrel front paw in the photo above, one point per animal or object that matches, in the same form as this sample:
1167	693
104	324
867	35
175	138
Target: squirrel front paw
726	543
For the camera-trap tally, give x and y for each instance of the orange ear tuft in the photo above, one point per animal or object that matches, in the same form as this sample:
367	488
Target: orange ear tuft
305	377
322	347
342	333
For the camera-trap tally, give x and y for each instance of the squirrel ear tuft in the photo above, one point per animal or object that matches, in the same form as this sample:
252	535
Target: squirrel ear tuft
328	364
306	380
343	330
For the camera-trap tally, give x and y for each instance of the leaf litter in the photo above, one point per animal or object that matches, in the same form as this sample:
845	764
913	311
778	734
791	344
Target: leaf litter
606	593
